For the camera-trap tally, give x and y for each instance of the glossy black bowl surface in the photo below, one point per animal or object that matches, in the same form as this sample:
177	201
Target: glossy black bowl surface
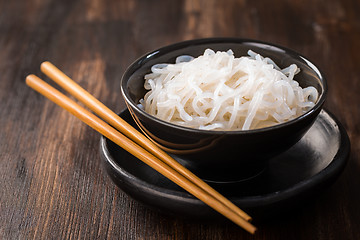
232	155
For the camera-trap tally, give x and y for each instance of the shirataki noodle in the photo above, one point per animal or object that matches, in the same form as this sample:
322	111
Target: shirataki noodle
217	91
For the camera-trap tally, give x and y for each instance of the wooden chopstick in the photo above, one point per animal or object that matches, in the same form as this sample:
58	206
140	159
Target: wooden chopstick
93	121
113	119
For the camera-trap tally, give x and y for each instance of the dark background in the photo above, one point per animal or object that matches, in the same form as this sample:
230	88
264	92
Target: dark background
52	183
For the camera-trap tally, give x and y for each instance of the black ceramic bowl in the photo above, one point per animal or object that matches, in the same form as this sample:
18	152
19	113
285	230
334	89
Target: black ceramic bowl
222	155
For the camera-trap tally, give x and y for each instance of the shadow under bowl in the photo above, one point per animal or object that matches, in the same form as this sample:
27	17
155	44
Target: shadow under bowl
222	155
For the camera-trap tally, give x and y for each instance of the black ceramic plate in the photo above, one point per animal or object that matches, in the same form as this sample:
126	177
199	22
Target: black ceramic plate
291	178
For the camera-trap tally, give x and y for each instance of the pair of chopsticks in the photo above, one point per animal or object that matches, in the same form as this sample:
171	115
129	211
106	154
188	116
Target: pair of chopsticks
132	141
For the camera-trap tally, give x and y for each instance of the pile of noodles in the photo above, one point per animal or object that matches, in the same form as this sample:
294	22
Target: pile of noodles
217	91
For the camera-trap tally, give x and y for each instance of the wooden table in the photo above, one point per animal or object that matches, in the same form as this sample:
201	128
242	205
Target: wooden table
53	185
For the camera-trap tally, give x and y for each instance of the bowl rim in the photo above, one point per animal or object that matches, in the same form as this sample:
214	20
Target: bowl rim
135	65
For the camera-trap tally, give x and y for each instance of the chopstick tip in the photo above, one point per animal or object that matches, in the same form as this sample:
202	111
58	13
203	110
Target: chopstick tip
249	227
29	78
45	64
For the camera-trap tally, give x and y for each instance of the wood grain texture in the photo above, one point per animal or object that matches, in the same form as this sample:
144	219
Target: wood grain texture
52	182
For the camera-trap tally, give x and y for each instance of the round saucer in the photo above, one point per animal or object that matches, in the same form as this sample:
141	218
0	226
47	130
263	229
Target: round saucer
290	178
